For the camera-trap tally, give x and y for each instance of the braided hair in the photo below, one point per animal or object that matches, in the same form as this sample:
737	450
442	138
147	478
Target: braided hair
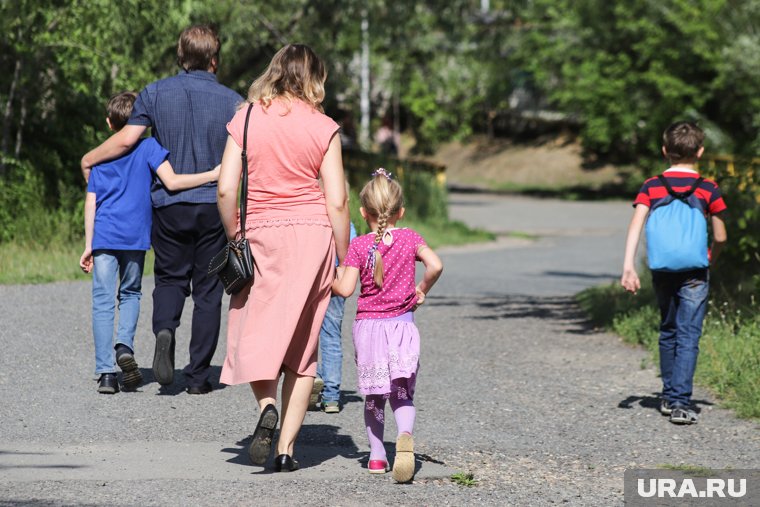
382	198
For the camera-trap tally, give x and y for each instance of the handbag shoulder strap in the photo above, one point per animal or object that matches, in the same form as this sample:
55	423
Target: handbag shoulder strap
244	186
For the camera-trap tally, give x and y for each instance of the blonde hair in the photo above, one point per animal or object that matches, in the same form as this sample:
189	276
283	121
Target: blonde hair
381	198
294	72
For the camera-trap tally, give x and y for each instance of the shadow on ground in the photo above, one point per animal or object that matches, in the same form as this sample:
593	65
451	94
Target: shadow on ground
316	444
653	402
556	308
180	381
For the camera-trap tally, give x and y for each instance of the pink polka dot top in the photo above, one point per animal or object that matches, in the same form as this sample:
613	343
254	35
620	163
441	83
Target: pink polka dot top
397	295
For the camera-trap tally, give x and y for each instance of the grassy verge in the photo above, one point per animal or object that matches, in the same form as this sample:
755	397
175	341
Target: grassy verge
24	264
30	263
437	232
729	357
447	233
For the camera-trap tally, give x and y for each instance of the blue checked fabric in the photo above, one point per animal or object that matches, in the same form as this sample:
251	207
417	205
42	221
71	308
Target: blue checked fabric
188	115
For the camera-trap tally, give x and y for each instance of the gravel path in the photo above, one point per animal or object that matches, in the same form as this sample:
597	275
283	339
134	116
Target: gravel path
514	387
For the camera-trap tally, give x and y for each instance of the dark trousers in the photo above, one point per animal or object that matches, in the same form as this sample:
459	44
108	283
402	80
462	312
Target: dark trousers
185	237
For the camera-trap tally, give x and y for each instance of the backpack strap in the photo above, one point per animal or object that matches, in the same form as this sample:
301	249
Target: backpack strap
680	195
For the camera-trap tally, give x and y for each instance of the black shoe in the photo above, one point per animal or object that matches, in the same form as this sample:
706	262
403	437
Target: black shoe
263	436
108	384
131	376
665	407
163	358
204	388
284	463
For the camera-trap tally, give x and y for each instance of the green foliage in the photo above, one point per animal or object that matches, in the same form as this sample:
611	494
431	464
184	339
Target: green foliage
464	479
626	70
736	275
54	261
425	196
426	199
25	216
692	470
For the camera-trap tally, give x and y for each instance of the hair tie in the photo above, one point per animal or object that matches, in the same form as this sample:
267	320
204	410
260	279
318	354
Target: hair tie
371	257
382	172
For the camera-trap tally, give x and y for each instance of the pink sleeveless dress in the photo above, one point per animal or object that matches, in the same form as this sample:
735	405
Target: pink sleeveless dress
275	322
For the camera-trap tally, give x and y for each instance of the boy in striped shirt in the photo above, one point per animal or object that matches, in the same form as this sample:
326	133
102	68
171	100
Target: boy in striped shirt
681	295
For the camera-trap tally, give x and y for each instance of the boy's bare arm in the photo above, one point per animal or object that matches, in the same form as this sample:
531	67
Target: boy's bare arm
720	236
85	261
115	146
630	279
173	181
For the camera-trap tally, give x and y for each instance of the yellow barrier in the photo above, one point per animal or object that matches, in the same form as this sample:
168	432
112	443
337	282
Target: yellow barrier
744	172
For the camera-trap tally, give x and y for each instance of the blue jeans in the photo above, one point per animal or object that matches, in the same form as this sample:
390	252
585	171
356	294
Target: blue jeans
126	267
331	349
682	298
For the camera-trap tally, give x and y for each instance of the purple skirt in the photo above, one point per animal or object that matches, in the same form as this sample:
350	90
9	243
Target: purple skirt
386	349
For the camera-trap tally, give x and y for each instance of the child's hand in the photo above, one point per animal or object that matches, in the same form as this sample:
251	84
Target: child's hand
215	172
420	298
630	281
85	261
339	271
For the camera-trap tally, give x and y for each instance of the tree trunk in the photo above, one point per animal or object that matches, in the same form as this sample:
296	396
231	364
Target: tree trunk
8	113
364	137
20	129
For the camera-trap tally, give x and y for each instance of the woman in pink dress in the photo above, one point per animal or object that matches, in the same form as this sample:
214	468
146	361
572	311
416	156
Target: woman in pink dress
295	231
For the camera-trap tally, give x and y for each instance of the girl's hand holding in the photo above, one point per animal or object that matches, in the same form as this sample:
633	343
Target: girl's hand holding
339	272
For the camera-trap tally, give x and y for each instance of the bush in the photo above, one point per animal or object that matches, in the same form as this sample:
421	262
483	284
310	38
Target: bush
425	194
27	217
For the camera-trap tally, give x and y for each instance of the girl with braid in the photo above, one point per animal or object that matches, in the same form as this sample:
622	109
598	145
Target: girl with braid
386	339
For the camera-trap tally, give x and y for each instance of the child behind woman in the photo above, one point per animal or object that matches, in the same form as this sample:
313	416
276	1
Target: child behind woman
386	339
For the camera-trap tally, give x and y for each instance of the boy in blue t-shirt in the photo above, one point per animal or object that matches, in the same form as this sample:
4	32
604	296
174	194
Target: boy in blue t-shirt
117	218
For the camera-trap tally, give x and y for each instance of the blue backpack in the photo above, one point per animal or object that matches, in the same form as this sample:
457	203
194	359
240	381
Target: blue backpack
676	231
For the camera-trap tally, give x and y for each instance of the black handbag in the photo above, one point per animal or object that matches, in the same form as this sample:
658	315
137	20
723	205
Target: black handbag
234	264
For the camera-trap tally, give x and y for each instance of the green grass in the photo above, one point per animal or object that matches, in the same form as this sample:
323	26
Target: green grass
451	232
693	470
464	479
437	233
729	357
29	263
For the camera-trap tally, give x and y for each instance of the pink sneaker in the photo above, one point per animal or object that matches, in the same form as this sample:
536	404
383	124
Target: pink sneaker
378	466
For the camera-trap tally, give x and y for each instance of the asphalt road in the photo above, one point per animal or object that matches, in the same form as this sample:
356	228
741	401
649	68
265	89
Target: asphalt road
514	387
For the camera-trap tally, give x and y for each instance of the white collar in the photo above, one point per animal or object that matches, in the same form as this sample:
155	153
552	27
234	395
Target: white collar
682	170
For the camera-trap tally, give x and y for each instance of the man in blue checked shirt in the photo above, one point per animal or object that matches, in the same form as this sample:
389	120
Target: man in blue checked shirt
187	114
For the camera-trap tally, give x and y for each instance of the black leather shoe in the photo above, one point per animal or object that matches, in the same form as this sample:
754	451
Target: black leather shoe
131	376
108	384
284	463
204	388
163	358
263	435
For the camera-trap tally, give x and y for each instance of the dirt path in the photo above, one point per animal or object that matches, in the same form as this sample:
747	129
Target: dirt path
514	387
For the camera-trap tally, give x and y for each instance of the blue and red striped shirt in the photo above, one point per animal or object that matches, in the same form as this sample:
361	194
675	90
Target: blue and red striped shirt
681	180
